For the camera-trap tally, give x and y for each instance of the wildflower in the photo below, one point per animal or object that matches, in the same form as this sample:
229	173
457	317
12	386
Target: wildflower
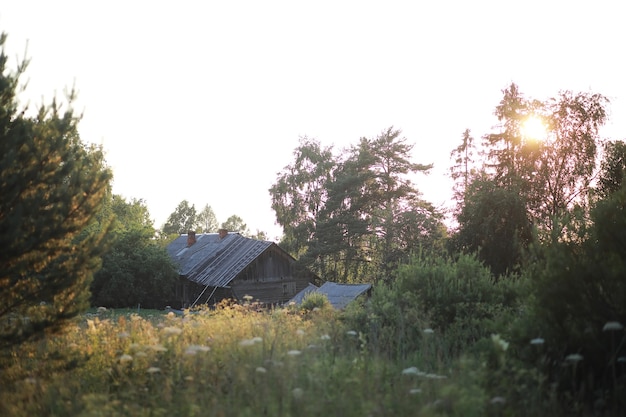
123	335
325	337
261	370
297	393
612	326
429	331
251	342
189	378
248	298
312	346
199	348
537	341
102	310
294	352
141	354
351	333
498	400
30	380
621	359
172	331
153	370
300	332
501	343
158	348
246	342
411	371
574	357
414	391
126	358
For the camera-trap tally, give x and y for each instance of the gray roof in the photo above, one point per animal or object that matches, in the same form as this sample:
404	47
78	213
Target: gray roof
300	296
213	261
339	295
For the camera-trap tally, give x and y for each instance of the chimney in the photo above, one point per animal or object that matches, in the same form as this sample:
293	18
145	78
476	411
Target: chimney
191	238
222	233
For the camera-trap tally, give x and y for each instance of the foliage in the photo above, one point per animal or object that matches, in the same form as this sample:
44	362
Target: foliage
235	224
553	176
182	220
358	214
207	222
52	186
463	169
577	289
612	174
300	191
460	298
136	270
494	225
315	300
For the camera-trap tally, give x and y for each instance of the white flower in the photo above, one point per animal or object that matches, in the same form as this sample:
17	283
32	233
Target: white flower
261	370
537	341
102	310
415	391
429	331
503	344
123	335
172	331
498	400
153	370
126	358
297	393
300	332
141	354
193	349
612	326
411	371
251	342
351	333
574	357
294	352
158	348
325	337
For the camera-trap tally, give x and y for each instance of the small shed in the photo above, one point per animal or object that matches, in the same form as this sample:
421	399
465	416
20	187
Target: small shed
215	266
339	295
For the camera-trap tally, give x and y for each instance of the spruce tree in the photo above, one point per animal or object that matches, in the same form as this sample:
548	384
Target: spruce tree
51	187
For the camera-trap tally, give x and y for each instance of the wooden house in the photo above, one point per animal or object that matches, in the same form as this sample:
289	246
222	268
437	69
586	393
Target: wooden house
215	266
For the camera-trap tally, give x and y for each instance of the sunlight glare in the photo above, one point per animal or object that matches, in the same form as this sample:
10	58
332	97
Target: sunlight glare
533	128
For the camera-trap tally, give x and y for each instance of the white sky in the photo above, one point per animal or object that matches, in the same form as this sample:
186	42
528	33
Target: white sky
206	100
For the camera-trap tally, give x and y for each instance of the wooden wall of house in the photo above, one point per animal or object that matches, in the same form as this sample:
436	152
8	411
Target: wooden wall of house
187	292
270	278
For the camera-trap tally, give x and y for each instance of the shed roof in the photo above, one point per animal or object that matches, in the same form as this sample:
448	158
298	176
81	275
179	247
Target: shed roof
339	295
215	261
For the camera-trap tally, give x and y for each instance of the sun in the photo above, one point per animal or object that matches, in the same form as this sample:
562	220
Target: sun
534	128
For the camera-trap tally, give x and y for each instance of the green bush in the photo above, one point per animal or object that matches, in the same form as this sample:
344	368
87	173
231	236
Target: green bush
460	298
314	300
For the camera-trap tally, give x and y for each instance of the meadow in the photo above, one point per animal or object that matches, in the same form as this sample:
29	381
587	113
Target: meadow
443	339
236	360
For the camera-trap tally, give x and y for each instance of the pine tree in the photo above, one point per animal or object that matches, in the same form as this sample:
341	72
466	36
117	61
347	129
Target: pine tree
51	188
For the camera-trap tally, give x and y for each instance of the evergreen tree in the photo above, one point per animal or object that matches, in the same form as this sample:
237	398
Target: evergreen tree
51	188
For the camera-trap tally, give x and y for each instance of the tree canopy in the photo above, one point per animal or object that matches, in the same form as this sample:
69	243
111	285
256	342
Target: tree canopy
356	215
